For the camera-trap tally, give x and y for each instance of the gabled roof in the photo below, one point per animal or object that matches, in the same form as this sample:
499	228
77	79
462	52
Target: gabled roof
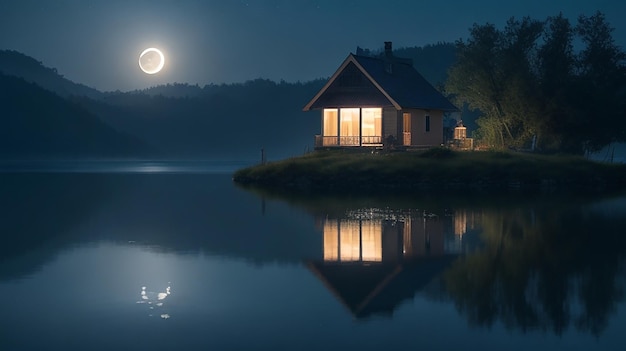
377	289
403	87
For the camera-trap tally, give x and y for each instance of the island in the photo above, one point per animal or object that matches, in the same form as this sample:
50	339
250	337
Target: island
434	169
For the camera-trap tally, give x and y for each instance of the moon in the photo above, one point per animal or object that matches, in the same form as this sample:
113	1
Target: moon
151	60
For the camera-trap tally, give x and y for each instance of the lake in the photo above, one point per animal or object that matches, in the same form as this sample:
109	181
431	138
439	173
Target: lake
173	255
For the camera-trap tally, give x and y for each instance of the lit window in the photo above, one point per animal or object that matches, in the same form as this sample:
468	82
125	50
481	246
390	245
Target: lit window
353	241
349	122
371	124
331	240
371	241
330	122
349	126
406	128
349	241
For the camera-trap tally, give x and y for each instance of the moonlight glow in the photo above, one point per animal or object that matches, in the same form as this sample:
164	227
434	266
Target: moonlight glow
151	60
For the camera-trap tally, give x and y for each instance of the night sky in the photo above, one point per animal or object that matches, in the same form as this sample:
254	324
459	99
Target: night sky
97	42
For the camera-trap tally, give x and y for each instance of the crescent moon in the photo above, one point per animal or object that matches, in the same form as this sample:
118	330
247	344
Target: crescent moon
148	58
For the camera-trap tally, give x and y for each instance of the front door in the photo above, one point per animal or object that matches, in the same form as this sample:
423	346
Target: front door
406	128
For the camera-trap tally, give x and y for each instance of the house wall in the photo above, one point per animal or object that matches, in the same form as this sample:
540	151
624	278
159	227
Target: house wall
392	242
419	135
427	237
390	123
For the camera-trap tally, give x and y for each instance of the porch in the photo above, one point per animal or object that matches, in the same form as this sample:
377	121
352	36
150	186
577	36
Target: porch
330	141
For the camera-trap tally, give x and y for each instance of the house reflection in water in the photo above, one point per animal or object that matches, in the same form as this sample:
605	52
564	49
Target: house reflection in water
374	259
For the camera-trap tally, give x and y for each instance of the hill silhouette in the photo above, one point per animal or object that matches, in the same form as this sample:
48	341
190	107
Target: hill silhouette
37	123
432	61
227	121
219	122
13	63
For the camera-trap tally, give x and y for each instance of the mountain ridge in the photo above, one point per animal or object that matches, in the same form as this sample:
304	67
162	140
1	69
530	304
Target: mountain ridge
213	121
38	123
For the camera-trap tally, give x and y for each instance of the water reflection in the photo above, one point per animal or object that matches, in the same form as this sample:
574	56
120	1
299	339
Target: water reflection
155	300
547	265
437	265
375	235
374	259
543	268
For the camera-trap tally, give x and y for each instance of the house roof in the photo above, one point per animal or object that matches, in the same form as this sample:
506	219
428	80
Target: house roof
377	289
402	86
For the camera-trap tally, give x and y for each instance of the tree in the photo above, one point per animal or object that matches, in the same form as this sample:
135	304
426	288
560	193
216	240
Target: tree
522	276
493	74
602	82
556	71
529	84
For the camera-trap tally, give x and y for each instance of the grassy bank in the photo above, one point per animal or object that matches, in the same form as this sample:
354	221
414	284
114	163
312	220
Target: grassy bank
434	169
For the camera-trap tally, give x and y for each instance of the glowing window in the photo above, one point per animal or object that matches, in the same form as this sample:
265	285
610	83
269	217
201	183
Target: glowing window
349	121
406	122
371	124
349	241
406	128
407	242
331	240
330	122
371	241
353	241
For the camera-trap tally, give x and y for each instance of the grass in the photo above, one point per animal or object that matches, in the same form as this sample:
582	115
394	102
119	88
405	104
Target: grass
433	169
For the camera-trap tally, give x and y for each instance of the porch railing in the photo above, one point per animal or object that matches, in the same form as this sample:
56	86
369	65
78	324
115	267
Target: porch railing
328	141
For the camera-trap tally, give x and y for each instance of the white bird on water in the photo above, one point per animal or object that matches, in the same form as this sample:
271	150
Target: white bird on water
150	296
147	296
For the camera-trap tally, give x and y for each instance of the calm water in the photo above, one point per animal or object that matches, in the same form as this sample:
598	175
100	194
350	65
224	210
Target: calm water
137	258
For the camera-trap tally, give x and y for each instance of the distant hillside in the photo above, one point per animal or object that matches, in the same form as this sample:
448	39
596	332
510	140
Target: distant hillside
220	121
36	123
13	63
432	61
175	90
237	119
227	121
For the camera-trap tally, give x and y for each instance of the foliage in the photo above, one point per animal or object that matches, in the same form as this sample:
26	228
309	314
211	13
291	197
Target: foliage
438	152
37	123
217	121
530	84
432	61
550	268
13	63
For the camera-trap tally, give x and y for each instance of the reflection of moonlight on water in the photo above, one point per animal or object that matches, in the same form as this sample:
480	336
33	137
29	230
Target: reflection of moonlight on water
151	60
155	301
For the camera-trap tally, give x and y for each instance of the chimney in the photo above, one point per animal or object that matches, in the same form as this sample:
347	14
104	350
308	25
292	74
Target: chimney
388	50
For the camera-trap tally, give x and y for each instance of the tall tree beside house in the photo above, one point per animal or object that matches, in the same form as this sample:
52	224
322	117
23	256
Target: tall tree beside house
533	88
556	70
602	82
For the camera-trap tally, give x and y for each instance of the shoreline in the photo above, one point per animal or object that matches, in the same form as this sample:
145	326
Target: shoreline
433	170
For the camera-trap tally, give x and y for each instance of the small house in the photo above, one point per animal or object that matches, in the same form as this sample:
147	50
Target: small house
379	101
372	264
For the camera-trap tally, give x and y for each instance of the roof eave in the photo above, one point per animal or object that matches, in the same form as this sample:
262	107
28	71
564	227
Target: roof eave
349	59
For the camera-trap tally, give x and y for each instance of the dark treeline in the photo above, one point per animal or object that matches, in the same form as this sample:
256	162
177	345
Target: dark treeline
17	64
37	123
549	267
179	120
553	84
225	121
